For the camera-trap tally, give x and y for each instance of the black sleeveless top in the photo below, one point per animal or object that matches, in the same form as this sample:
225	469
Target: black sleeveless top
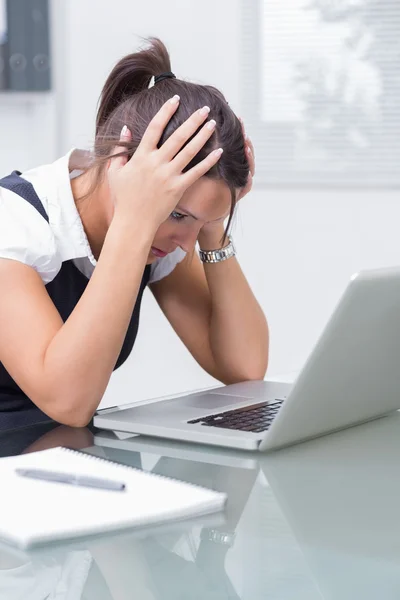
16	409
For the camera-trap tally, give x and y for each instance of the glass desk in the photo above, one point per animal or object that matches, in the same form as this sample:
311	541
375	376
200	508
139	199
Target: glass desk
320	520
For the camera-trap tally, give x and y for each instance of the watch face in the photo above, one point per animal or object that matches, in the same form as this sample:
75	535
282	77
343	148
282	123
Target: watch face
218	537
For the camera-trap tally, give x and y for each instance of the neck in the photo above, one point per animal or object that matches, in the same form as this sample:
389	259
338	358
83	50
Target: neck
94	209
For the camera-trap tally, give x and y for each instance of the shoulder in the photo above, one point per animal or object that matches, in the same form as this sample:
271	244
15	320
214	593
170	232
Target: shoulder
162	267
26	236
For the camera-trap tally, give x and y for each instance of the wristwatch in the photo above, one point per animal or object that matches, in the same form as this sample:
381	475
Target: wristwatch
224	538
216	256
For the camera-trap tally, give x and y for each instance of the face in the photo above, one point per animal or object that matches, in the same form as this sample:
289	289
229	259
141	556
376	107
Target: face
206	203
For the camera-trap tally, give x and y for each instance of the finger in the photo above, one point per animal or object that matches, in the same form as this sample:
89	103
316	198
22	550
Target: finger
185	156
179	138
248	185
119	160
250	158
191	176
250	145
249	148
246	189
243	130
156	127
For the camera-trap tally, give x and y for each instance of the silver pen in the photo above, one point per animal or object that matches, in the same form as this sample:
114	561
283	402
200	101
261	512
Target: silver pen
71	479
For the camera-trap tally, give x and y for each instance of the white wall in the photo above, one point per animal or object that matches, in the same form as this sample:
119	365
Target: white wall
309	243
297	247
99	37
27	125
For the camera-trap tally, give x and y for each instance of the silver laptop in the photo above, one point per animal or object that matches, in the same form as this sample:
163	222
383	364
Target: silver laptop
352	376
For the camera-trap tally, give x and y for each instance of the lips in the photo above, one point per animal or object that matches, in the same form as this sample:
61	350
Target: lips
157	252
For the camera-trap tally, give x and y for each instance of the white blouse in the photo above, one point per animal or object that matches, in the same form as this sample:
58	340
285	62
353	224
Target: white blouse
26	236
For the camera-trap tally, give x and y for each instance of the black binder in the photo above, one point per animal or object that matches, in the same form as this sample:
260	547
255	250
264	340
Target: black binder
3	46
28	45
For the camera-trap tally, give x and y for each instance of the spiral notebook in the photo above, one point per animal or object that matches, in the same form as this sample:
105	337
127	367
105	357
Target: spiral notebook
36	512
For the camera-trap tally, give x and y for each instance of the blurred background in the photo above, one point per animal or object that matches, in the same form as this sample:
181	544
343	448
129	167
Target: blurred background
318	85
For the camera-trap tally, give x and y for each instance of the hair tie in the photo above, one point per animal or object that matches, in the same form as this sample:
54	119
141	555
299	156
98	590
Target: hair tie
162	76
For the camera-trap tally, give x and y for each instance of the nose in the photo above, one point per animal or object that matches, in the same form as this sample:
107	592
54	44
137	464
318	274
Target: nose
187	238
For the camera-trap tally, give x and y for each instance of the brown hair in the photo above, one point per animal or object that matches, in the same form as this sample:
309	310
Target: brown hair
126	99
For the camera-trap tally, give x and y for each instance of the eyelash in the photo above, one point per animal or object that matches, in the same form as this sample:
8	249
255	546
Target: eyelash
177	216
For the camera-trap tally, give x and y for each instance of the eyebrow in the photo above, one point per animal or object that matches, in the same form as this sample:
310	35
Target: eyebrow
189	214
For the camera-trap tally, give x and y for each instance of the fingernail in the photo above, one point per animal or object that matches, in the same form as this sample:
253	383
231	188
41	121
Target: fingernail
124	131
248	150
175	99
218	152
204	111
211	125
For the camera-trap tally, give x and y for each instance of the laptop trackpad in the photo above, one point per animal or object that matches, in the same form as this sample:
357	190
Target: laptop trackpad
210	401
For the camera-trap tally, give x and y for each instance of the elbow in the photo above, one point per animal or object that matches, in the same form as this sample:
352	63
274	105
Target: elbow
253	369
76	410
249	374
73	419
257	373
256	368
73	411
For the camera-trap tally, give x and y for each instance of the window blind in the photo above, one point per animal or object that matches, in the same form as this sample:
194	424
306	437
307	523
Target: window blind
321	91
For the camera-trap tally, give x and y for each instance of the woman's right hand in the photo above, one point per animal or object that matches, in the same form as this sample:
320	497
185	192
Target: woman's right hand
149	186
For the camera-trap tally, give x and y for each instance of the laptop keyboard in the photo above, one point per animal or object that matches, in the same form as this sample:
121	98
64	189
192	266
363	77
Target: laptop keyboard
256	418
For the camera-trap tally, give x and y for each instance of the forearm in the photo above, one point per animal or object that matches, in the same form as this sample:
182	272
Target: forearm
238	330
80	358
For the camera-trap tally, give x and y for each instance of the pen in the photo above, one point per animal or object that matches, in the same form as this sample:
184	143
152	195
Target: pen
70	478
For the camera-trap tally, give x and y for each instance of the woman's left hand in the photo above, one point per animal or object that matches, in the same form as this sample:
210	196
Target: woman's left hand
211	234
250	157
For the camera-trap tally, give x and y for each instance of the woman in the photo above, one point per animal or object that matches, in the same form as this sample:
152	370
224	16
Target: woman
80	240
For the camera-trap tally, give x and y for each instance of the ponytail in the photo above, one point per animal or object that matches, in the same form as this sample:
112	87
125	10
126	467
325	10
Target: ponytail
131	75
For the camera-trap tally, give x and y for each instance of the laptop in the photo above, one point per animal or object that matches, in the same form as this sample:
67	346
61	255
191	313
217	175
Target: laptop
351	376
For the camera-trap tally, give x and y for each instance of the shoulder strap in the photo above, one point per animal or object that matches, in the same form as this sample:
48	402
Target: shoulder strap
20	186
